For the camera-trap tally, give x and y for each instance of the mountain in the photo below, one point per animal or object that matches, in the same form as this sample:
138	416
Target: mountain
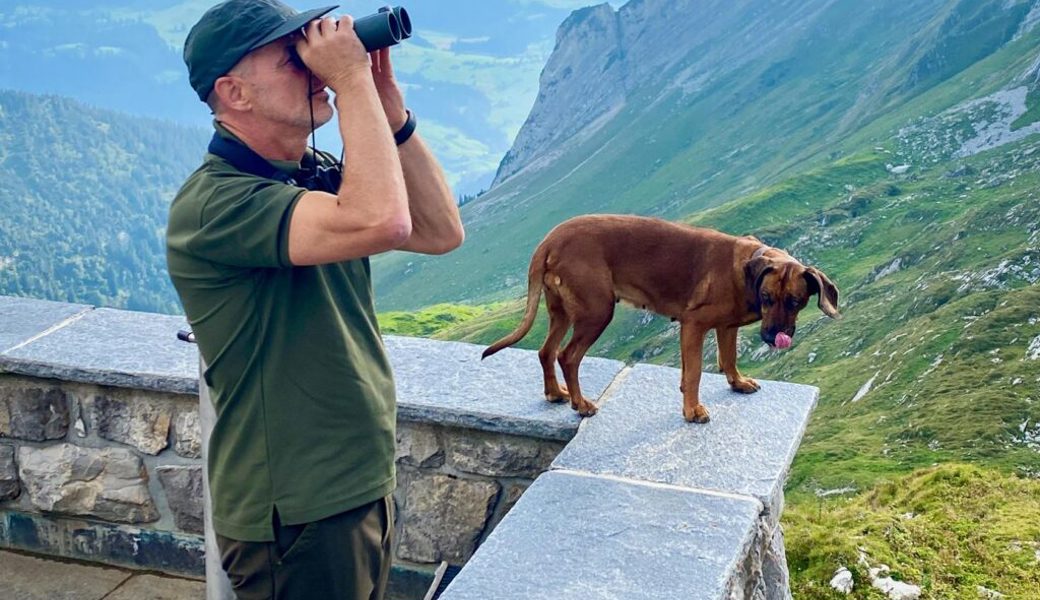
682	106
891	144
927	218
470	72
84	202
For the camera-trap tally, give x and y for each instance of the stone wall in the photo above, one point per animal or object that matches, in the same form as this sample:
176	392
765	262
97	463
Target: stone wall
100	445
131	457
100	440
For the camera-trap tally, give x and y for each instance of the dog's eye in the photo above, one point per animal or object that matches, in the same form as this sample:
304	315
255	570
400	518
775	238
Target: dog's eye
767	300
793	304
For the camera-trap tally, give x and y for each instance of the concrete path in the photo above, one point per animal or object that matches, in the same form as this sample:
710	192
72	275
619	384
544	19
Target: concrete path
30	577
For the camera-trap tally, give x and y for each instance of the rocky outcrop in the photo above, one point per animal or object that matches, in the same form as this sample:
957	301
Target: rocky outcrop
605	61
583	81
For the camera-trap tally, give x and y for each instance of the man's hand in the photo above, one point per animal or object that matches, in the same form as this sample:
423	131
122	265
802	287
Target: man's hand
332	51
389	92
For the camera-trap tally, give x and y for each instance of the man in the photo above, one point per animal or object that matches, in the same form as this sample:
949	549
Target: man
267	246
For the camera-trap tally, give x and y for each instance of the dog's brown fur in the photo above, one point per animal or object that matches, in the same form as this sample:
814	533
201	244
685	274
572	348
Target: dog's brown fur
700	277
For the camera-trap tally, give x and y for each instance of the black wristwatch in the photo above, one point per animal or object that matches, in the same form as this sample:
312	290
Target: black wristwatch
406	130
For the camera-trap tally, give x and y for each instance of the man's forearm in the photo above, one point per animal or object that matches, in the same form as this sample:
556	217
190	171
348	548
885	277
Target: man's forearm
436	224
372	177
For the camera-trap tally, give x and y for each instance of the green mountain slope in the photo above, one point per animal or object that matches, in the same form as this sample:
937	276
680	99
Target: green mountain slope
84	202
958	532
914	185
936	361
727	119
938	272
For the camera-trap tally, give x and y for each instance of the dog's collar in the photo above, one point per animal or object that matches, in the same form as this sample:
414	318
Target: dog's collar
760	252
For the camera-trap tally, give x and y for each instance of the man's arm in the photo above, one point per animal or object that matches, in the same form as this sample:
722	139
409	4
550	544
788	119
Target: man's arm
370	213
436	224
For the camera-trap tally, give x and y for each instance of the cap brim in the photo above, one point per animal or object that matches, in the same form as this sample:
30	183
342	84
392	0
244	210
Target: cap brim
293	24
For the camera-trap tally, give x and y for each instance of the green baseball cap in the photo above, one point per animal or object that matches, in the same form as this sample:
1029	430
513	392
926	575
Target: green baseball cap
230	30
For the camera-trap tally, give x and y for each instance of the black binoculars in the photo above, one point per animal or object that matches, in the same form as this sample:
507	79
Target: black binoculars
385	28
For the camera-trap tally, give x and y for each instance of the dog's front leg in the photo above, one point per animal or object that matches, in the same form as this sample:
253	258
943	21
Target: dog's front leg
727	337
691	345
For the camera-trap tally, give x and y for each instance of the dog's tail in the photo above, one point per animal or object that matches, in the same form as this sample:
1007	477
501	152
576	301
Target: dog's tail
535	274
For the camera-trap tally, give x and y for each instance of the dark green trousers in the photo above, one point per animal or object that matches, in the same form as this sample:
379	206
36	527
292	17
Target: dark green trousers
343	557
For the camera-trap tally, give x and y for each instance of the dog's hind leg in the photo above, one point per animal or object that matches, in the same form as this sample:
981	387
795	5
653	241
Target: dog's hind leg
588	327
559	323
727	337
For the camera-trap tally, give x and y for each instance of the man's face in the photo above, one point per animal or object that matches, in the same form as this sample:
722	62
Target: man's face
279	87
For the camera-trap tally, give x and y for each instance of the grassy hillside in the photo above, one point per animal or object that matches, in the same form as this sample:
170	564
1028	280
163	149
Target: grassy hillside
949	529
941	313
932	233
848	78
936	361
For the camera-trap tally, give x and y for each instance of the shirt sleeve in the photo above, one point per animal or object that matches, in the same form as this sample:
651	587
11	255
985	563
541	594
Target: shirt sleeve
244	222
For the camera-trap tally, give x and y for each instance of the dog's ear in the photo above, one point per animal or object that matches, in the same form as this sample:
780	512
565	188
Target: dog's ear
754	270
818	283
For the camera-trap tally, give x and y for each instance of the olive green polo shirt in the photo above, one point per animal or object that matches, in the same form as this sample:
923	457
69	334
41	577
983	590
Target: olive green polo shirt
298	374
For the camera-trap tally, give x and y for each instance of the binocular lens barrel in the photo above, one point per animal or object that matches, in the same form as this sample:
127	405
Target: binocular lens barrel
385	28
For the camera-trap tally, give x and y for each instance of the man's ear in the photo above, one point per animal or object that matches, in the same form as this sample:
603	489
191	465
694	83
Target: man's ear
230	92
754	270
818	283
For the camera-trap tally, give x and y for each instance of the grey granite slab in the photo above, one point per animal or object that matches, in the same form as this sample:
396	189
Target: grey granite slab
746	449
447	383
113	347
581	537
23	318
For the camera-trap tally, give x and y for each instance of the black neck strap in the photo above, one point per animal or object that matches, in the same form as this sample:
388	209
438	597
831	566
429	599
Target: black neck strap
326	178
244	159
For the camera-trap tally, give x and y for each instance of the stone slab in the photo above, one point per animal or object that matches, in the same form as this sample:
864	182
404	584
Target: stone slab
746	449
113	347
447	383
25	577
575	536
153	587
24	318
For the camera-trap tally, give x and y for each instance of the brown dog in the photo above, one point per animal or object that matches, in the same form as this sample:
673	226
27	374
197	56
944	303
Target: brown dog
700	277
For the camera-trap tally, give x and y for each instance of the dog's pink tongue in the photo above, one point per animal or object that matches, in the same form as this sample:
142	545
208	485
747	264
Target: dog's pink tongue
783	341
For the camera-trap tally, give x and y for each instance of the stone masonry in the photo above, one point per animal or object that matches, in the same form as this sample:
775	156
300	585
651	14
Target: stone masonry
100	446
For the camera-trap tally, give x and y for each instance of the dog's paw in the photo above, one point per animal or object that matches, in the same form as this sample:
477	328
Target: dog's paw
698	414
745	385
585	408
559	394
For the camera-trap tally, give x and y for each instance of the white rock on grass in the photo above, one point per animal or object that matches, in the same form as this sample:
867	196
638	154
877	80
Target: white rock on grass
842	580
1033	352
865	388
897	590
879	579
987	594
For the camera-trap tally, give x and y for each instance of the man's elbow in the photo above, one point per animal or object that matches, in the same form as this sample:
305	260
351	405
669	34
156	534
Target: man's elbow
450	241
396	230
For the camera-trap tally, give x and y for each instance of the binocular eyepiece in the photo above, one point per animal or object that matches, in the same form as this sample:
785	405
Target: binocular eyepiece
385	28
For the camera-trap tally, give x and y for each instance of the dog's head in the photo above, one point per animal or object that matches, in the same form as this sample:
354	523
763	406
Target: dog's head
779	288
